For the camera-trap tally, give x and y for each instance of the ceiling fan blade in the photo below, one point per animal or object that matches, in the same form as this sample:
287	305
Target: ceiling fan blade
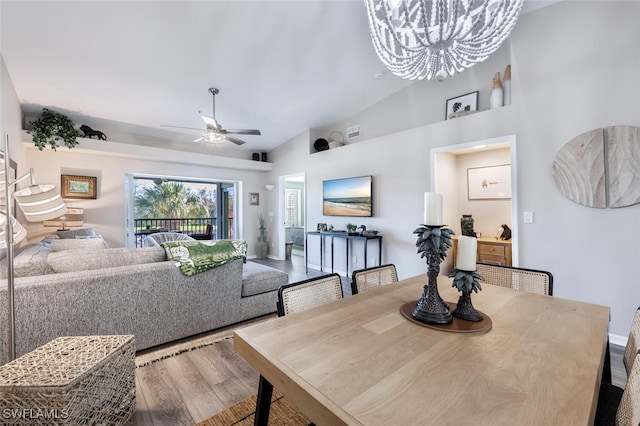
234	140
210	122
183	128
241	131
199	139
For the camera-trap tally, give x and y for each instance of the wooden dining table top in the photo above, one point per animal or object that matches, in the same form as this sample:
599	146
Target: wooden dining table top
358	361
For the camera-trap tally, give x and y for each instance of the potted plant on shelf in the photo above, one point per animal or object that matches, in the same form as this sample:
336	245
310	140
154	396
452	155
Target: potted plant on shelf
52	127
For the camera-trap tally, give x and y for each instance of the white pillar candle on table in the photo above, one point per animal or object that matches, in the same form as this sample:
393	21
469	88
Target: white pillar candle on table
467	252
432	209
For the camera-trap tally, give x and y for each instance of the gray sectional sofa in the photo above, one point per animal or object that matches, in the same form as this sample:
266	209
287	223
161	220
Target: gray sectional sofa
95	290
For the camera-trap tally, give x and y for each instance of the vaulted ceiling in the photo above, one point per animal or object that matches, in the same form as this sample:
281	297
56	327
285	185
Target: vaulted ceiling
128	68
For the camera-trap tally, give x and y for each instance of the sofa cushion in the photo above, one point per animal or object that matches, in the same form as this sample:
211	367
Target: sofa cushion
85	260
257	279
78	243
72	233
28	261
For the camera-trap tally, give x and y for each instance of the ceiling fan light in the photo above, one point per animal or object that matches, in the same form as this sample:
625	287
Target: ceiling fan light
213	138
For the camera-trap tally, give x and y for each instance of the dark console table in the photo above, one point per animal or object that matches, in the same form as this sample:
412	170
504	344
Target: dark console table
346	236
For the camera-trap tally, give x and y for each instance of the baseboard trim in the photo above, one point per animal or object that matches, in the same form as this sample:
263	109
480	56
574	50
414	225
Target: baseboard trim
615	339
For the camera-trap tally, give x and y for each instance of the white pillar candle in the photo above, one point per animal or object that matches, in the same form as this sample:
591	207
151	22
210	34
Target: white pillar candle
467	252
432	209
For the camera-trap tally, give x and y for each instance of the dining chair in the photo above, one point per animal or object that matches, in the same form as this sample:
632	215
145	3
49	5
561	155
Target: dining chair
309	293
529	280
617	406
368	278
632	343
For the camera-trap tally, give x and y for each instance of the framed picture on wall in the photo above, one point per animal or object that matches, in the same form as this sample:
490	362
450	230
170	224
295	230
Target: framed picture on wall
82	187
489	183
254	198
461	104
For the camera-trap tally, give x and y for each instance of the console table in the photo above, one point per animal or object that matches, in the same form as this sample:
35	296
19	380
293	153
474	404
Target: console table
347	236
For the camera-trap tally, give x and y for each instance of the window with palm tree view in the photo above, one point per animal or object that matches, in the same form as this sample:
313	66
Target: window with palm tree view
202	210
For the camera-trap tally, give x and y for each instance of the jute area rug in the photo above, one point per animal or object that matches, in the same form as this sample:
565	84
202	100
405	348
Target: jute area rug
159	353
283	413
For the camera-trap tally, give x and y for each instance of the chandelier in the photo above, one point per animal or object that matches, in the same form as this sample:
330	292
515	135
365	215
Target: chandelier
418	39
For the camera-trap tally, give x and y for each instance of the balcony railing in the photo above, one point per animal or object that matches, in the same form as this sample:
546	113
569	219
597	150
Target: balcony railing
198	228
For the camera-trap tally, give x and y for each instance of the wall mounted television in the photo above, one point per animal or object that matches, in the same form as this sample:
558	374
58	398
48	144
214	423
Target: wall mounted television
348	197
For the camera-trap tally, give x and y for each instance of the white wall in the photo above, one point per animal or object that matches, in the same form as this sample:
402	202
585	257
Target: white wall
10	118
107	213
575	67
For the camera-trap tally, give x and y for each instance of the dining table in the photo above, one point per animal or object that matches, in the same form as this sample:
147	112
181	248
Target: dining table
361	361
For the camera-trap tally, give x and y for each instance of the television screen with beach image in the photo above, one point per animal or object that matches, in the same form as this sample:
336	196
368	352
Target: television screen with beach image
347	197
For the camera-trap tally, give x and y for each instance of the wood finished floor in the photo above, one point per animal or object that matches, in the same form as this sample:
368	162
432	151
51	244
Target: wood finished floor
191	387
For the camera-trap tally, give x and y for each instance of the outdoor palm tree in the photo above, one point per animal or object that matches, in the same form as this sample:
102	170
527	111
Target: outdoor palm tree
169	200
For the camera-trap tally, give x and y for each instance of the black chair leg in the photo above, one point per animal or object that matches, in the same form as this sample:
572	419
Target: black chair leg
263	403
606	369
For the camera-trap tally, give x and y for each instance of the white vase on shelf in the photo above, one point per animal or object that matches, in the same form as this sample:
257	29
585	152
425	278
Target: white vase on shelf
496	99
506	85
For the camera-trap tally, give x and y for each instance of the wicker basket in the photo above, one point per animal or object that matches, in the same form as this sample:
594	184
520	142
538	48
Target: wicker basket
81	380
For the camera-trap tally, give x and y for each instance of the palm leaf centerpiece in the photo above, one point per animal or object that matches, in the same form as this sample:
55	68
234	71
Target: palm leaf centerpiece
466	282
433	243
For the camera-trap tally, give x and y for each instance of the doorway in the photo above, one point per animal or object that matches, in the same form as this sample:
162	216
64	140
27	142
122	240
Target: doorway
449	168
293	216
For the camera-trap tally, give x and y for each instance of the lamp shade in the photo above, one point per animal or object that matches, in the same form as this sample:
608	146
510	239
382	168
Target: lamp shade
19	233
40	202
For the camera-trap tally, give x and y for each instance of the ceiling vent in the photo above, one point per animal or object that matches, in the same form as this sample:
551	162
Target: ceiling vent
353	131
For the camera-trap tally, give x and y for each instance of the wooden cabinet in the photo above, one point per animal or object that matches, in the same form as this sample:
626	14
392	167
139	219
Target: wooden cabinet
490	250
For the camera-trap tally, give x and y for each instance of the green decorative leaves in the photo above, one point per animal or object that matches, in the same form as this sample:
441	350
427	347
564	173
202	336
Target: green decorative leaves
466	280
52	127
433	240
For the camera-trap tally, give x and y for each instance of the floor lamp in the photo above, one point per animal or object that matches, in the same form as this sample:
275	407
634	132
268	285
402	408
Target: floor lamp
38	203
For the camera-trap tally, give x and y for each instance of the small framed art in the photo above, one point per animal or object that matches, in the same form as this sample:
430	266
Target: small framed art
489	183
461	105
81	187
254	198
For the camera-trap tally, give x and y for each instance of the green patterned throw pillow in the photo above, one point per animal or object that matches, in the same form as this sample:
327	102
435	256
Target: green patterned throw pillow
195	257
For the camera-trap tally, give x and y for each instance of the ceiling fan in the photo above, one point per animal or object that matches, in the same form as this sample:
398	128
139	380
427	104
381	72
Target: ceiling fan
214	132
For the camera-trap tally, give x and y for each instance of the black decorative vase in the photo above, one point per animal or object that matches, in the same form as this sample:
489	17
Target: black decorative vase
465	309
430	307
466	223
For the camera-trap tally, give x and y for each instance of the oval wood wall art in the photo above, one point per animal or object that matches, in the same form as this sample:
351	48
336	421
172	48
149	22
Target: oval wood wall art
624	165
578	169
600	168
